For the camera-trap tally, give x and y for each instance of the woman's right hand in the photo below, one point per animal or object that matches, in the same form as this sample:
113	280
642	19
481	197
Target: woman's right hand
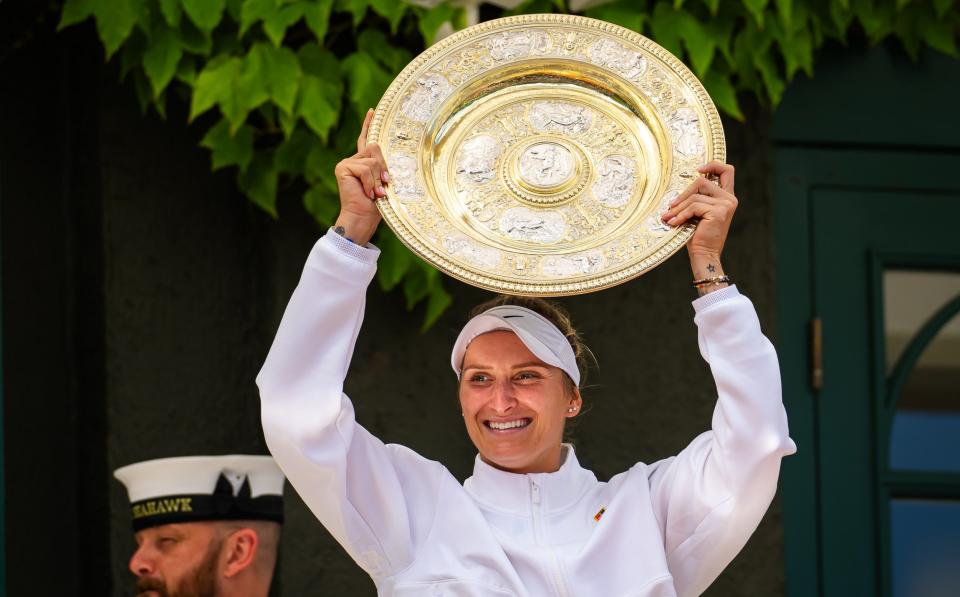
361	179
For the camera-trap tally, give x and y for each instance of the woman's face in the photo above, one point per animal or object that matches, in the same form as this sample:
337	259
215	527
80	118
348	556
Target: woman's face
514	405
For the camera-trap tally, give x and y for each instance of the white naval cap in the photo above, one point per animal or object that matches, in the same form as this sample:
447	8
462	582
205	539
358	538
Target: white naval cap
536	332
194	488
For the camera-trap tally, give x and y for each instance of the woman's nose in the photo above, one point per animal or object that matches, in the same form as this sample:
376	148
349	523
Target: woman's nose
503	399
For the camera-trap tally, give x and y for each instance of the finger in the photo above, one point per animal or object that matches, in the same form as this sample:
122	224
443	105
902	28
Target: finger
698	198
694	210
373	150
362	139
376	168
692	189
700	186
348	169
724	171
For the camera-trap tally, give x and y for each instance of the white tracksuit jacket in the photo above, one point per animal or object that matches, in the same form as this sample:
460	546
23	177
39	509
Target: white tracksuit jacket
668	528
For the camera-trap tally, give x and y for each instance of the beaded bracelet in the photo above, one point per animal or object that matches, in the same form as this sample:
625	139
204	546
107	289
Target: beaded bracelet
710	281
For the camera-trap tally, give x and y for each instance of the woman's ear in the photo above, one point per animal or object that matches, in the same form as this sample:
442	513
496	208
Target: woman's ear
241	547
576	403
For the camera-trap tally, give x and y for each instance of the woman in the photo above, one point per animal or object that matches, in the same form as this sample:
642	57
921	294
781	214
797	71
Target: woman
530	521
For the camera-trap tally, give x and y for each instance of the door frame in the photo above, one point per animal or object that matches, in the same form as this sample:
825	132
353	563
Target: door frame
800	170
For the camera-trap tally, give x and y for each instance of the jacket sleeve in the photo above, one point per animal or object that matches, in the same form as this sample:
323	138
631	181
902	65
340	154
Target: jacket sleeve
375	499
710	498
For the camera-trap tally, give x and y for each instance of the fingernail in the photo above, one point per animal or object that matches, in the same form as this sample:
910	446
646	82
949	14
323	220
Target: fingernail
371	195
384	176
381	191
665	217
673	221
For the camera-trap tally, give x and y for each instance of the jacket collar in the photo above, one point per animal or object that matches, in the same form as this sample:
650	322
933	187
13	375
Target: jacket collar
513	492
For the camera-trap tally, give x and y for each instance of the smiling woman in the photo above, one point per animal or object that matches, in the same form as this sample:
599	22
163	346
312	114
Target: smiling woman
531	521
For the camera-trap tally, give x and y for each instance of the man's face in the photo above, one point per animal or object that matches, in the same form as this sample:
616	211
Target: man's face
178	560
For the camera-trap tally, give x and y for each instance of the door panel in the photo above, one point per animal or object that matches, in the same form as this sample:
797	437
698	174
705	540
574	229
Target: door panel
847	220
853	228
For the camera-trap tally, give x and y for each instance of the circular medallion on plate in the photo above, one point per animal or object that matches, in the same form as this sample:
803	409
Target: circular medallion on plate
535	154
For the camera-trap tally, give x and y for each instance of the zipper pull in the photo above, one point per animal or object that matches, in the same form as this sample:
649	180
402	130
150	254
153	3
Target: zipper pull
535	492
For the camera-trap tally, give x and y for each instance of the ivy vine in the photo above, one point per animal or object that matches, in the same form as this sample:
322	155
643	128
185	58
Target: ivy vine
282	85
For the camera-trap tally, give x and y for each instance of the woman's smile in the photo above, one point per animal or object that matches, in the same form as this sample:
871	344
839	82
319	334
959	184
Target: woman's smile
514	405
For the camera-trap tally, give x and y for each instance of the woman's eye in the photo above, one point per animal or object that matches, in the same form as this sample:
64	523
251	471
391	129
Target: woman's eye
479	377
526	375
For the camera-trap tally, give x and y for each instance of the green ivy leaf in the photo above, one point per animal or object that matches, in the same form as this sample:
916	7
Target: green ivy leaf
665	27
877	19
131	54
229	149
115	22
320	93
276	25
939	34
785	10
142	88
319	165
256	10
437	303
317	15
366	81
273	73
235	9
161	58
75	11
418	282
317	105
194	40
376	44
723	93
699	43
431	20
187	71
357	8
205	14
391	10
321	204
712	5
623	13
756	8
797	50
171	11
291	156
770	74
940	7
395	260
259	183
720	30
841	17
218	83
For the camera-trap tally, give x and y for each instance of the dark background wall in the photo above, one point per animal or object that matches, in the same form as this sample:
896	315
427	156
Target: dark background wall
141	293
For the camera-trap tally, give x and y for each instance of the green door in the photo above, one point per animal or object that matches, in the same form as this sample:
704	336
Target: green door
869	286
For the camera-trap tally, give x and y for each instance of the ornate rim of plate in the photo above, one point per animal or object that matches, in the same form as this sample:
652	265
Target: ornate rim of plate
534	154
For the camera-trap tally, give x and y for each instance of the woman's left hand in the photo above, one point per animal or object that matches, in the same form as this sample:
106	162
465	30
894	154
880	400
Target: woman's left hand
713	204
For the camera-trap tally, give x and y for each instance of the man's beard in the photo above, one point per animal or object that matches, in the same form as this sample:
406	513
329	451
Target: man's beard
201	582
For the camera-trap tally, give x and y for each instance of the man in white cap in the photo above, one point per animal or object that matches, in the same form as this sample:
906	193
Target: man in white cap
206	526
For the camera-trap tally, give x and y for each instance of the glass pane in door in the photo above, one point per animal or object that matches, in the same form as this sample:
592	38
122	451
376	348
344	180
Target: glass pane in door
925	550
925	434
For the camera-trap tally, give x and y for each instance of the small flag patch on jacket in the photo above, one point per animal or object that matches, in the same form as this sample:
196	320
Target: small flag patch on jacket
599	514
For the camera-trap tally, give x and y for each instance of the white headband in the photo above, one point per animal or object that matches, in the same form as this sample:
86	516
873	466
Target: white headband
536	332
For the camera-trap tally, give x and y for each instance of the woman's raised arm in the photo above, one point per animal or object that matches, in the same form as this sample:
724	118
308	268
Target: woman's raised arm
377	500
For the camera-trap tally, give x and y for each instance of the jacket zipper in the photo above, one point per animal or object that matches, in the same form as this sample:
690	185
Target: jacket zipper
555	561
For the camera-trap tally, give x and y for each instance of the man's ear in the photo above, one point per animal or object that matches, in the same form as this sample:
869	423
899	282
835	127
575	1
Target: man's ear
241	550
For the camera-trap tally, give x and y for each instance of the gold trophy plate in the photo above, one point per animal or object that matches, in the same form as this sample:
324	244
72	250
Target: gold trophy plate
535	154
